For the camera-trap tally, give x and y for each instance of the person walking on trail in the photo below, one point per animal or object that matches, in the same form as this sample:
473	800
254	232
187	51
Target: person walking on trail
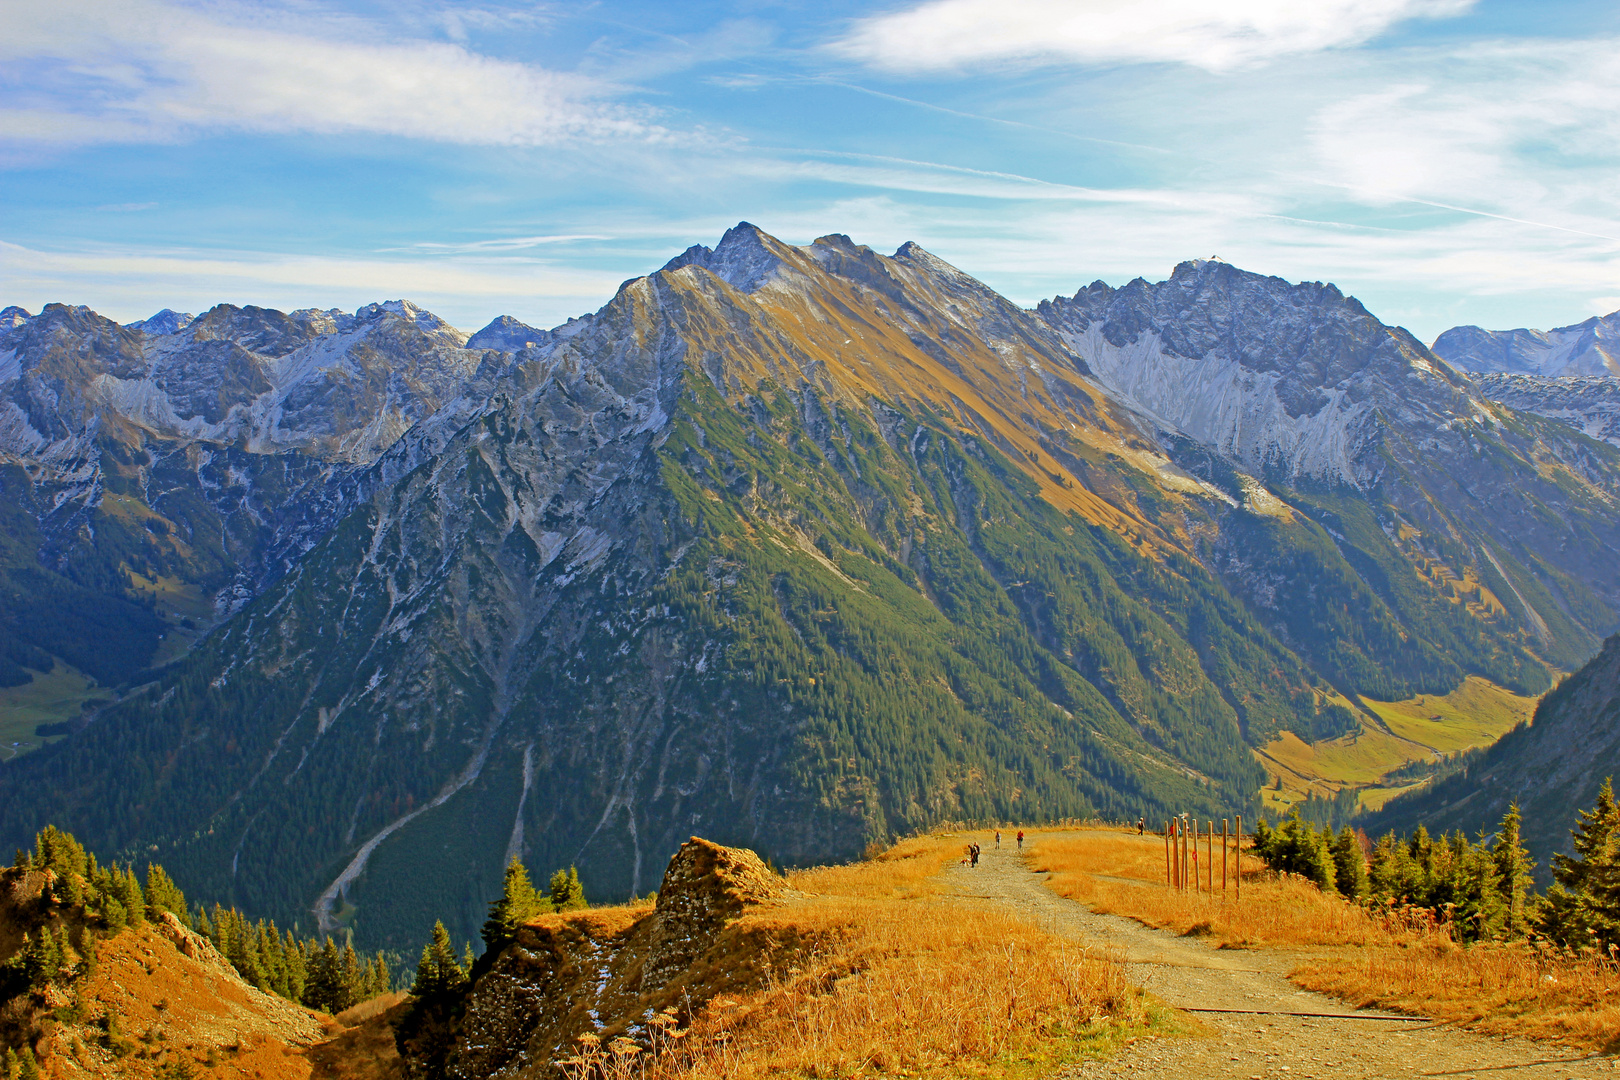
1020	839
973	854
998	838
1141	826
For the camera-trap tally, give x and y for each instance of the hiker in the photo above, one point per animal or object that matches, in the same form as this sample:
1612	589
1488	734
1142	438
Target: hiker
973	853
998	838
1141	826
1020	839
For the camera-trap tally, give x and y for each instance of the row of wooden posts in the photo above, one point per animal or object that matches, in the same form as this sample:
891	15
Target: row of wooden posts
1181	870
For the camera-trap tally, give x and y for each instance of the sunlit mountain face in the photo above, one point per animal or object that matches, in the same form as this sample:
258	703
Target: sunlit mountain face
798	547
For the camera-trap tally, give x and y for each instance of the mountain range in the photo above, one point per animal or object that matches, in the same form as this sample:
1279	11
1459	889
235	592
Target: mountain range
799	547
1588	348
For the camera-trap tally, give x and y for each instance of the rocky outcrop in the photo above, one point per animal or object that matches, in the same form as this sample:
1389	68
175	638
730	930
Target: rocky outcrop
605	973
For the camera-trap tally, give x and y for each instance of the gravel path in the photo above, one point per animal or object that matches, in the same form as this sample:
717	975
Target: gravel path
1264	1043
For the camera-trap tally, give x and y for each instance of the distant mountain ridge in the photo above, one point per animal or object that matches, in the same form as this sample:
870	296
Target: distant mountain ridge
1591	347
799	547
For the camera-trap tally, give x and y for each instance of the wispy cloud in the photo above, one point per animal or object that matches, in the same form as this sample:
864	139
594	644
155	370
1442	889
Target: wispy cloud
132	70
509	243
1524	131
948	34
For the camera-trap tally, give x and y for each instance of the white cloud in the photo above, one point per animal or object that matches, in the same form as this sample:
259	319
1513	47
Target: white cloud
105	70
1217	35
1526	131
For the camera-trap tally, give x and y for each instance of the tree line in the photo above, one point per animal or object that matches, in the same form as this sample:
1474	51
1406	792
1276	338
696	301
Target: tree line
1479	889
438	972
82	901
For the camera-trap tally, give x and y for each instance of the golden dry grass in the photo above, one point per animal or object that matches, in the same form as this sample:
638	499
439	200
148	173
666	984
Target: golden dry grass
904	982
1370	959
908	869
1501	989
1273	911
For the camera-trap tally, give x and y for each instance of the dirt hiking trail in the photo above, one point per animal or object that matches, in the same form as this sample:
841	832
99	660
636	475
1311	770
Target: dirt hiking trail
1264	1042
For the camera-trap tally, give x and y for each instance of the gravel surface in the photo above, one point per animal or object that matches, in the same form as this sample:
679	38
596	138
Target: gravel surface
1264	1042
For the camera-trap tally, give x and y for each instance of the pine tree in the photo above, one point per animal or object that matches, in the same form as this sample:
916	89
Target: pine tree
27	1067
567	894
438	971
1295	847
41	958
519	902
8	1066
162	894
297	968
381	977
324	990
1475	887
1584	904
113	914
1513	866
84	943
122	886
352	979
1349	866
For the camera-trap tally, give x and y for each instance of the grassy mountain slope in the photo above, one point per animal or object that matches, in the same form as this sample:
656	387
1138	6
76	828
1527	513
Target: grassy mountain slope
1552	767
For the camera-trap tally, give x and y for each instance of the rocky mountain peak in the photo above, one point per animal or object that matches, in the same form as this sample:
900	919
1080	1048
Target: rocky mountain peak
1288	376
166	321
746	257
265	331
508	335
12	317
422	319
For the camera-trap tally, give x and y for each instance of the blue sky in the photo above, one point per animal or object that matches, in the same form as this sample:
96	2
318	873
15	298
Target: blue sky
1446	161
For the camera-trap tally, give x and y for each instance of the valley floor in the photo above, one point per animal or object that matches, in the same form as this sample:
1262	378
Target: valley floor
1264	1041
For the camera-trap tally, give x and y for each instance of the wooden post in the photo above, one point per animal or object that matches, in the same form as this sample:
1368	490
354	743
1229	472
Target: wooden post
1209	857
1186	859
1169	878
1224	845
1175	848
1237	891
1181	855
1198	875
